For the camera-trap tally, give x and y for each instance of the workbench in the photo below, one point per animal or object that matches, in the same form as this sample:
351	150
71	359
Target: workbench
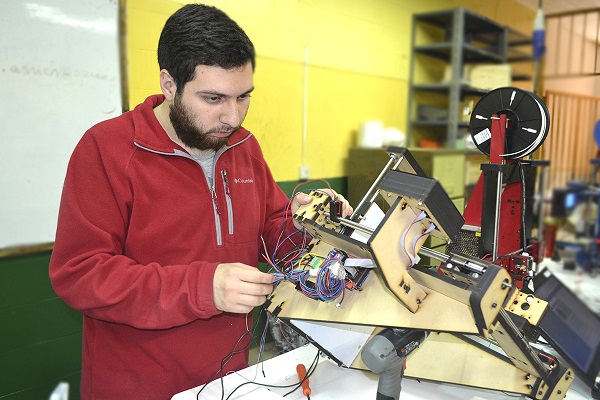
330	382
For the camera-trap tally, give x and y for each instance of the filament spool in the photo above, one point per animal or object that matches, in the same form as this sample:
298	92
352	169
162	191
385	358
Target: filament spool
527	118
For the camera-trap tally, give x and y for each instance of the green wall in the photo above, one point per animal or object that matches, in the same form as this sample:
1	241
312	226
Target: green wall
340	185
40	336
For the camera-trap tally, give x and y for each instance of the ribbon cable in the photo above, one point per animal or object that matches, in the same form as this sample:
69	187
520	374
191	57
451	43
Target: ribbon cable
403	237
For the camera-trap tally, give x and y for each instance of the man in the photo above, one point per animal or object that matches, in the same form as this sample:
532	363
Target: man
162	218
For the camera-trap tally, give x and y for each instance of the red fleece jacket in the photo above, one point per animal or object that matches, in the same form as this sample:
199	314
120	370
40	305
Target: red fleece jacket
138	240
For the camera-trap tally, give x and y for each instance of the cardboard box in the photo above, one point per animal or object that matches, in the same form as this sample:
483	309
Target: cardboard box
483	76
465	109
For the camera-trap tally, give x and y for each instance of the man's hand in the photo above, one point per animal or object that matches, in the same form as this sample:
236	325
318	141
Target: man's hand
238	288
302	198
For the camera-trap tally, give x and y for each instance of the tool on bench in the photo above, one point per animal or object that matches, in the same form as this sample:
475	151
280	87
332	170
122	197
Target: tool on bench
301	369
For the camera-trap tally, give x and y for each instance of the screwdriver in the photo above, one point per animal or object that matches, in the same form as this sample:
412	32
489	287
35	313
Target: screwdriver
301	370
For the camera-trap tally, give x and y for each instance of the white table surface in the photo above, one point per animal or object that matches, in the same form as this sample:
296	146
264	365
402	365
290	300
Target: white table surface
330	382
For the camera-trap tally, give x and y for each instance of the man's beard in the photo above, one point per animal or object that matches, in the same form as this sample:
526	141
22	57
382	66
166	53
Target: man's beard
189	134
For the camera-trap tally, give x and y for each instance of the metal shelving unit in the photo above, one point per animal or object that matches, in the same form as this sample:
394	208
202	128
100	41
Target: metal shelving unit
442	43
520	54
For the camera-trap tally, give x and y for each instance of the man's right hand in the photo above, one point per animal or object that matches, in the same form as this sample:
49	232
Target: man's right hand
238	288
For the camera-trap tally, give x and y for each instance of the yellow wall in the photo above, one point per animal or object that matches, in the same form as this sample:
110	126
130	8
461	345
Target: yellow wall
358	56
358	53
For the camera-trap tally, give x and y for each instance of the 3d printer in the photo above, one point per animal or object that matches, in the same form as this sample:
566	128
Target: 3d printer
470	323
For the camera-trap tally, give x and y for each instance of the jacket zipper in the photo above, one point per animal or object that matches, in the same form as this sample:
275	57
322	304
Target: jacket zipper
217	213
228	201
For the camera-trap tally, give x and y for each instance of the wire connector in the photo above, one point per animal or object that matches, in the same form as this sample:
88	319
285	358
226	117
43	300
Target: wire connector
337	269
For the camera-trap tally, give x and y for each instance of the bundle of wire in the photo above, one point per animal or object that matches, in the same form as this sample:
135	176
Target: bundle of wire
326	285
299	267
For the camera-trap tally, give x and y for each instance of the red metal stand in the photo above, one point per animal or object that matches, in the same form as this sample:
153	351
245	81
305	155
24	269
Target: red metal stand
496	207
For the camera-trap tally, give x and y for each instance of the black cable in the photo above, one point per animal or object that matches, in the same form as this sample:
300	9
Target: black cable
295	386
224	362
228	357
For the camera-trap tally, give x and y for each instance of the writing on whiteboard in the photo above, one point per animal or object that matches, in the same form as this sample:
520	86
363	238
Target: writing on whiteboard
60	72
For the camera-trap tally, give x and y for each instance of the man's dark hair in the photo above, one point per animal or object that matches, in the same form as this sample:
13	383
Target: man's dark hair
198	34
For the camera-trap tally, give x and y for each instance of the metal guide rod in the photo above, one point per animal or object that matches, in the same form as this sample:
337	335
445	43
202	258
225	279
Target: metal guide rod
497	215
454	259
352	224
541	239
393	157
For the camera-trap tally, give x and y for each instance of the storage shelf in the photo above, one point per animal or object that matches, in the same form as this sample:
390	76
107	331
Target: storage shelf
454	38
473	54
445	122
521	77
429	123
433	87
520	51
473	23
516	38
444	88
515	55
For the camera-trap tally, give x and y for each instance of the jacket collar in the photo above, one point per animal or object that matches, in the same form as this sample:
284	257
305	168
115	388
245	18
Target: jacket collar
149	134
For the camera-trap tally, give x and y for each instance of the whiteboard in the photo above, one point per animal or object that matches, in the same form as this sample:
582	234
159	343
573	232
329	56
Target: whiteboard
59	75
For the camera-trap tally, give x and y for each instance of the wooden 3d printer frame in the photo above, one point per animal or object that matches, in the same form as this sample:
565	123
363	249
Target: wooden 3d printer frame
463	311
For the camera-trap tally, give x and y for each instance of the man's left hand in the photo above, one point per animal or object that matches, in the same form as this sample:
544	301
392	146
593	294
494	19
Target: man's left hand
301	199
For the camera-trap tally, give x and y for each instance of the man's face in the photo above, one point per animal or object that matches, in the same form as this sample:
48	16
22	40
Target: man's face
211	106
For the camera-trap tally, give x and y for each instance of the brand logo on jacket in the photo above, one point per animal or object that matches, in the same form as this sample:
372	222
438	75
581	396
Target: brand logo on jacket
243	180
